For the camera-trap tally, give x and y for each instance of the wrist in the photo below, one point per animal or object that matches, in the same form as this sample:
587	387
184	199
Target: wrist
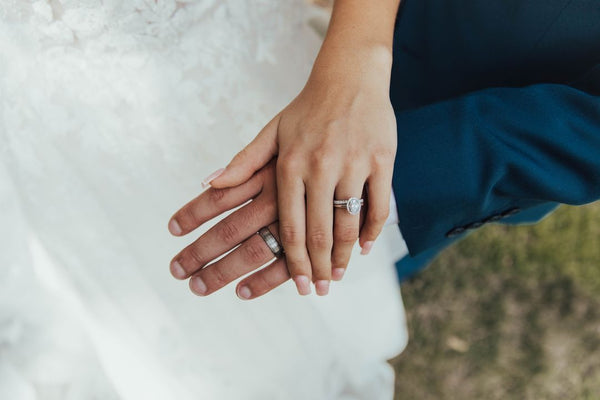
375	52
366	22
359	62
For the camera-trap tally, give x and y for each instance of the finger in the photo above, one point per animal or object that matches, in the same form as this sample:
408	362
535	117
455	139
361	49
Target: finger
211	203
224	236
247	257
319	231
264	280
267	278
379	187
251	158
292	223
345	225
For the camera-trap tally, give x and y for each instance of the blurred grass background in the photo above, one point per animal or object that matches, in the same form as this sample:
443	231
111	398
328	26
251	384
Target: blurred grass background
511	312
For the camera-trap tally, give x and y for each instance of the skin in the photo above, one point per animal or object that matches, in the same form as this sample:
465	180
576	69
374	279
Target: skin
335	140
198	259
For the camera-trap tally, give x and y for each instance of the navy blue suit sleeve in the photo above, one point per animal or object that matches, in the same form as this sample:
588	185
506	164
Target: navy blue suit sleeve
464	159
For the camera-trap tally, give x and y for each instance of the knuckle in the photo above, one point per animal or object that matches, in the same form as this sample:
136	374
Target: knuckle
219	277
321	161
217	195
251	213
346	234
291	164
256	253
320	239
354	165
270	207
333	125
242	154
195	254
383	158
228	232
290	235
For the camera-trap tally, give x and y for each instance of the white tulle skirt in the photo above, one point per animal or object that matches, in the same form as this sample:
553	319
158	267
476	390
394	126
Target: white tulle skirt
111	114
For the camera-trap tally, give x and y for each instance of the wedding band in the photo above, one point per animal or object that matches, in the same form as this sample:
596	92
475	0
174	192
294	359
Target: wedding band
271	242
352	205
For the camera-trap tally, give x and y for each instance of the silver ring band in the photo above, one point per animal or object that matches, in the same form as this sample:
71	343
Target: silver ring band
352	205
271	242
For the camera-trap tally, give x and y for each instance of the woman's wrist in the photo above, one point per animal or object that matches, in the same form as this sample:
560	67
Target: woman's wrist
368	64
359	43
359	21
375	53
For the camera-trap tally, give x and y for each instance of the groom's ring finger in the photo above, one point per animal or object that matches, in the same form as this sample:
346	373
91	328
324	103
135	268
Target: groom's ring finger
250	255
265	279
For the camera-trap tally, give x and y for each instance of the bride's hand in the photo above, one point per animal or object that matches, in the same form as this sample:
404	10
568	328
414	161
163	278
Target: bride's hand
239	228
336	136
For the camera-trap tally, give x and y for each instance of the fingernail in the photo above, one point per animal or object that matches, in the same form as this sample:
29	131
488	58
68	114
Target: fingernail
302	284
212	176
322	287
366	249
198	286
337	274
244	292
177	270
174	227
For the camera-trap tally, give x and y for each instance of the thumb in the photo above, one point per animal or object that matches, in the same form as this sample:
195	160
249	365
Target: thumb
251	158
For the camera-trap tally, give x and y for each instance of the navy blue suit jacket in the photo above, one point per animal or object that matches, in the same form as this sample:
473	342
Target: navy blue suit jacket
498	112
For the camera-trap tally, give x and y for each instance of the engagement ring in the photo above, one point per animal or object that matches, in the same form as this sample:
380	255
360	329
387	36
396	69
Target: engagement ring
352	205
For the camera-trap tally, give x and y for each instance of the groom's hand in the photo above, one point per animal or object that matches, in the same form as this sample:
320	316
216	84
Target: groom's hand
239	228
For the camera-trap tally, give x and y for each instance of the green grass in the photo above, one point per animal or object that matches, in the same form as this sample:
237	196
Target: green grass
511	312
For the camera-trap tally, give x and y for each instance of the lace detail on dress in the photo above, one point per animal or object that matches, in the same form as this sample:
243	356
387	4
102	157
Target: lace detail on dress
209	71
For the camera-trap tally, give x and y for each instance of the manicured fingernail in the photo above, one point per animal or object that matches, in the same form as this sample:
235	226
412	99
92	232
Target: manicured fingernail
212	176
337	274
366	249
322	287
198	286
302	284
174	227
244	292
177	270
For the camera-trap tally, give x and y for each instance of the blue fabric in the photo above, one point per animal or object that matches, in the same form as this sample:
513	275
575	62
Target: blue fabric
498	108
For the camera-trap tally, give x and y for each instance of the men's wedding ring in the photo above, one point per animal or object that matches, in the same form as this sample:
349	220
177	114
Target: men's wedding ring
352	205
271	242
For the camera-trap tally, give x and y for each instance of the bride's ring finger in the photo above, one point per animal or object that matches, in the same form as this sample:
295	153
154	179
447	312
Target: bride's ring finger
346	219
248	256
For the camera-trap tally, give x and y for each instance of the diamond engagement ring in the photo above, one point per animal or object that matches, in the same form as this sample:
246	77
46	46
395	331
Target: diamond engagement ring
352	205
271	242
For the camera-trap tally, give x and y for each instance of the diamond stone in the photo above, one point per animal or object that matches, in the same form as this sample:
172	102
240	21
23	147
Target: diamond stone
353	205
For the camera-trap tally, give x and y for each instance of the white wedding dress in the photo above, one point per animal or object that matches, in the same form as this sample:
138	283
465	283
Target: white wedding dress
111	114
